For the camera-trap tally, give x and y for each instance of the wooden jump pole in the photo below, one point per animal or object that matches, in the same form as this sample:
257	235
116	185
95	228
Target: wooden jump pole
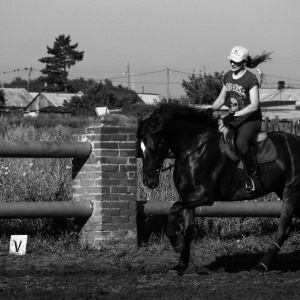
218	209
49	209
45	149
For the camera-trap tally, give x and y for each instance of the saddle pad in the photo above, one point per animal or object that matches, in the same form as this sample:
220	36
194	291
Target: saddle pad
267	152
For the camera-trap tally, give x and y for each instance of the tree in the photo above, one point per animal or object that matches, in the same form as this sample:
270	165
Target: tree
203	89
98	94
17	82
63	56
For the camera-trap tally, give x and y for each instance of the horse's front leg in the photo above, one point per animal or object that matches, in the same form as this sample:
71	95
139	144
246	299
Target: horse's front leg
201	196
175	240
184	242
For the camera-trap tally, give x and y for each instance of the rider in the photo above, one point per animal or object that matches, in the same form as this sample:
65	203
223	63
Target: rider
240	93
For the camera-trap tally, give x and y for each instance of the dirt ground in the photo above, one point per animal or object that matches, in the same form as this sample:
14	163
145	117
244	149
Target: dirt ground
143	274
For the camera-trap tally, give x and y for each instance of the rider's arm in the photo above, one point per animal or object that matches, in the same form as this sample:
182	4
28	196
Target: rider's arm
219	102
254	103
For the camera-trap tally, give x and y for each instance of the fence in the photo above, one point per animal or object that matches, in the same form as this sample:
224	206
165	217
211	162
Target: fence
284	125
105	184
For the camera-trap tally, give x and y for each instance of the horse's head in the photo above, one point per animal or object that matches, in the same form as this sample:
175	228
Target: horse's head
153	150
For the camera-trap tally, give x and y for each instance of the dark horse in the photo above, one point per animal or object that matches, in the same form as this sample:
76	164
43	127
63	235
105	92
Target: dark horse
204	173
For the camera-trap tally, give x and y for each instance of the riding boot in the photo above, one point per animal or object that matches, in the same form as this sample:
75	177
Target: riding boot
251	165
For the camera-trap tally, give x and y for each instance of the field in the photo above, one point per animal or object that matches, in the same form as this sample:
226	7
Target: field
220	270
56	266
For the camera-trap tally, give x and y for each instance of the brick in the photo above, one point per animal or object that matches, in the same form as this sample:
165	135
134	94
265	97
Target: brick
87	182
94	175
127	182
110	182
131	175
118	189
110	153
106	219
132	160
128	226
118	160
109	145
127	168
128	154
128	197
131	137
132	189
110	227
108	197
119	219
114	138
117	175
95	189
94	137
107	130
127	146
130	130
111	211
110	168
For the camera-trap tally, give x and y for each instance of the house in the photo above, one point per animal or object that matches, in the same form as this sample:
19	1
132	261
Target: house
100	111
44	100
16	99
151	99
280	101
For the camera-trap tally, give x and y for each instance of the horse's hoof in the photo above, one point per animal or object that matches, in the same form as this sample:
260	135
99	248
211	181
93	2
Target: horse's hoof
259	269
174	273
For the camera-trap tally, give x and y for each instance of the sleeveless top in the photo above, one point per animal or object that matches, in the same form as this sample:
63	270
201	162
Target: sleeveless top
238	96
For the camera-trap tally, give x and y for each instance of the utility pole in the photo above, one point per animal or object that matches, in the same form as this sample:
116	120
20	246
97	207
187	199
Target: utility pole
128	75
168	83
28	82
204	70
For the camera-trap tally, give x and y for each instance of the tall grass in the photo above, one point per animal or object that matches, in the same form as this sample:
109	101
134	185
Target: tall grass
34	179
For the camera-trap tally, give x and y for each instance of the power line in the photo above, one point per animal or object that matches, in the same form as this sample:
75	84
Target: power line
17	70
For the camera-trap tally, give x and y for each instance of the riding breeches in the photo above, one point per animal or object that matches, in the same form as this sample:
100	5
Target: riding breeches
245	134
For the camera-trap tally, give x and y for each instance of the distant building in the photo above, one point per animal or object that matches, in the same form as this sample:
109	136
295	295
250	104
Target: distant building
151	99
100	111
17	99
45	100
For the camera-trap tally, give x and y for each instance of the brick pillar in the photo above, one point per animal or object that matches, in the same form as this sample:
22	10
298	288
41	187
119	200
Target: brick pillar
108	180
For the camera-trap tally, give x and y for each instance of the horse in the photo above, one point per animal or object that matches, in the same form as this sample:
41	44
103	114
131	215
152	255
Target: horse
203	172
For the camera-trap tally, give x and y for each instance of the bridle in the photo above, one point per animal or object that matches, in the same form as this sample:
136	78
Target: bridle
157	168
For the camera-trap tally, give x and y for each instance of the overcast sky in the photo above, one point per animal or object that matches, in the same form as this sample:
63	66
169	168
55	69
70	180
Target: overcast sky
152	35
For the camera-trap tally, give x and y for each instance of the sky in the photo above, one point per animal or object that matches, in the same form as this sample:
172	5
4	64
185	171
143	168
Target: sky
151	36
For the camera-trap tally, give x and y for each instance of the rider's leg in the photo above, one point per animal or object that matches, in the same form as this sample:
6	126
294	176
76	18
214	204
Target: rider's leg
245	134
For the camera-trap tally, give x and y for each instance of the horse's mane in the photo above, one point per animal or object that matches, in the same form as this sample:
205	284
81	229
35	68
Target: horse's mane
174	111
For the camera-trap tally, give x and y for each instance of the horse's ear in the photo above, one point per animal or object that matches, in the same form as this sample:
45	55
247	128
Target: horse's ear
139	119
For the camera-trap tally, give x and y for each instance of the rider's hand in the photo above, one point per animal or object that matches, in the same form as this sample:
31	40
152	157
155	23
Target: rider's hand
227	119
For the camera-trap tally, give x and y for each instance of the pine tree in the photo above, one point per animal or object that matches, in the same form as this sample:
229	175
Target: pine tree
63	56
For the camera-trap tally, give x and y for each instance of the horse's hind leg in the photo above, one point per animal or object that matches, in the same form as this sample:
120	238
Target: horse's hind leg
289	206
188	221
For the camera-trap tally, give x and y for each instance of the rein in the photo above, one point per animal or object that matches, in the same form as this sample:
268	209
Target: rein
183	159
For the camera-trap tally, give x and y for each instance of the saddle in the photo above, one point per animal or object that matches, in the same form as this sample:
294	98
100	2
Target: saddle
263	147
